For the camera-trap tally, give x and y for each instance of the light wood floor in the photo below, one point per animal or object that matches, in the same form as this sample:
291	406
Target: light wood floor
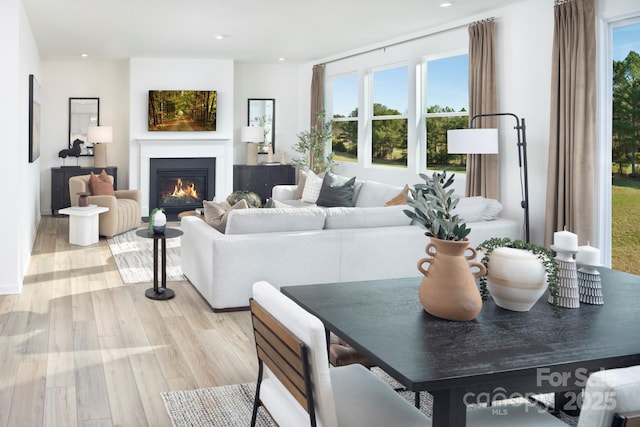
80	348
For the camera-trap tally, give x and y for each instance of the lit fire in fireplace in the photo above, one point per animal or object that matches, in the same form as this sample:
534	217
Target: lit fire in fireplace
184	191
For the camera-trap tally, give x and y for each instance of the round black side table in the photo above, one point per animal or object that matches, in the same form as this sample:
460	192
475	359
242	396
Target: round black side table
162	292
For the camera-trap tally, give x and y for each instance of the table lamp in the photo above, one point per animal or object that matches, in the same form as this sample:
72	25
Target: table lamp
252	135
100	136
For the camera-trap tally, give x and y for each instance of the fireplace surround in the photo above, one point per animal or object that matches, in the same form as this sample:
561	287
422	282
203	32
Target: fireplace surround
142	150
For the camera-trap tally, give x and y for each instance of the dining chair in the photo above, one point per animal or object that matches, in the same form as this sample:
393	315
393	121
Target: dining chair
300	388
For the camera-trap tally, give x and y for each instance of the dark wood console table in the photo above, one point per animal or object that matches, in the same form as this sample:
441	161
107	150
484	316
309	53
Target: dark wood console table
60	197
261	179
500	352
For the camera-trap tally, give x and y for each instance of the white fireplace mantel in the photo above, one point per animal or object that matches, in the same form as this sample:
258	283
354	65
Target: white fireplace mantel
143	150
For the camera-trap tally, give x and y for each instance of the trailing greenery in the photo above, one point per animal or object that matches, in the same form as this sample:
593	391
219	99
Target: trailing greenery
543	254
433	207
152	216
312	146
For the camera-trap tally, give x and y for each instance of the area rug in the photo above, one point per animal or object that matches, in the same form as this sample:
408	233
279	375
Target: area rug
232	405
134	257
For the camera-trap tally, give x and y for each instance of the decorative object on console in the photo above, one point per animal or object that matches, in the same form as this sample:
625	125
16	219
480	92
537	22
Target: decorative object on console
73	152
485	141
100	136
312	146
157	221
544	257
283	158
252	135
448	289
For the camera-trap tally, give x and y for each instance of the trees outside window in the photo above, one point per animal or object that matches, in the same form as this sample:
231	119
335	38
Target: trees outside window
390	112
344	141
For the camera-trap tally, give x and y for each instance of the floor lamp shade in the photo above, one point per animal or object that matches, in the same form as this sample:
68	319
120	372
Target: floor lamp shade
100	136
252	135
472	141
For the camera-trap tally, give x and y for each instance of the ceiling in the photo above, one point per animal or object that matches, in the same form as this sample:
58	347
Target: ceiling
254	30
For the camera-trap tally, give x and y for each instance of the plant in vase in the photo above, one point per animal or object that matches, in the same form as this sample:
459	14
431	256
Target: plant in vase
521	273
448	289
312	145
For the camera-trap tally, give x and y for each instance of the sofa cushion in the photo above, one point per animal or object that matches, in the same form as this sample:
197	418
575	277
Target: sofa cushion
302	179
342	217
477	208
336	191
374	194
251	221
312	187
215	214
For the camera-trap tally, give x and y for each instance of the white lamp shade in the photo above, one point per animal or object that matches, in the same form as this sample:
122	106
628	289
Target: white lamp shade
100	134
472	141
252	134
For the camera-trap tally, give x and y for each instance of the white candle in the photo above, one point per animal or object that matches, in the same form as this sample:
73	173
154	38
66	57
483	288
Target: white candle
588	255
565	240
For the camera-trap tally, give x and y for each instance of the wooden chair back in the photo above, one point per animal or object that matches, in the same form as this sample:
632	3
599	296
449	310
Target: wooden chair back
626	419
284	354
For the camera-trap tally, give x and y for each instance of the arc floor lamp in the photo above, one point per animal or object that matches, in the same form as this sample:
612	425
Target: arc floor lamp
485	141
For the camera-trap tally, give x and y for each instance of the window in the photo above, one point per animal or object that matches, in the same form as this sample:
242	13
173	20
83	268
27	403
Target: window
344	141
446	107
389	121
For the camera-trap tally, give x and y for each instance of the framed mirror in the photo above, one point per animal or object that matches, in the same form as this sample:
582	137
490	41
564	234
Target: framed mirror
83	112
262	112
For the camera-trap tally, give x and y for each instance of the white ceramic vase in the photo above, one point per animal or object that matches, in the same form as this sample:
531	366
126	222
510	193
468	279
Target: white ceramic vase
159	222
516	278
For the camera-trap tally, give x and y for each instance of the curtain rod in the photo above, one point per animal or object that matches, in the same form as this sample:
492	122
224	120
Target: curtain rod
407	40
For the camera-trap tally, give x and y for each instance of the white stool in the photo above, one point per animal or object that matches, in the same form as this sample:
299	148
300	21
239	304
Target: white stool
83	224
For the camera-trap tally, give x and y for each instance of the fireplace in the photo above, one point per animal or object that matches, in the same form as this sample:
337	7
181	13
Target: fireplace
181	184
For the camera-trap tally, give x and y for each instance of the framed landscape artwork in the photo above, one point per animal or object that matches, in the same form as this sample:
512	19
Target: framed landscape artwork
182	110
34	119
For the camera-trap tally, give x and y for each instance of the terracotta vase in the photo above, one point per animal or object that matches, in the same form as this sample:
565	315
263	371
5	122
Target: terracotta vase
448	289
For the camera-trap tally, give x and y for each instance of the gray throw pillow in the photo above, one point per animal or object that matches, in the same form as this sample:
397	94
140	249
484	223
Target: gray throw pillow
336	191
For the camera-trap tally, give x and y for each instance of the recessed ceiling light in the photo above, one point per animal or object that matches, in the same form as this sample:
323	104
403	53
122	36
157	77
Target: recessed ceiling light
84	55
281	59
219	36
446	4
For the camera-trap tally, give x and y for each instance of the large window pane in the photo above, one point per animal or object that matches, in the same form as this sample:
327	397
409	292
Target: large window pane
390	90
344	141
389	139
447	100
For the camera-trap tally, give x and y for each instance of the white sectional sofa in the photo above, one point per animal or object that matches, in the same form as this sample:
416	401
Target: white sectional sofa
308	245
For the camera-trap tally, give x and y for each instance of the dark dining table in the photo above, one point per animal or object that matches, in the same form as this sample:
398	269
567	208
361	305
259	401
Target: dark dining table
501	353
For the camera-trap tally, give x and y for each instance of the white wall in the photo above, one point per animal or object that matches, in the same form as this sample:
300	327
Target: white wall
278	81
84	78
20	58
524	35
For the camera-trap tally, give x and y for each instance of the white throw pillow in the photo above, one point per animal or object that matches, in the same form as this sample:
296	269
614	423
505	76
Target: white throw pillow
471	209
312	188
492	211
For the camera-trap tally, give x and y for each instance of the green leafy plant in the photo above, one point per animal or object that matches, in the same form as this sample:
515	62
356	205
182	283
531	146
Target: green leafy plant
543	254
151	218
312	145
433	206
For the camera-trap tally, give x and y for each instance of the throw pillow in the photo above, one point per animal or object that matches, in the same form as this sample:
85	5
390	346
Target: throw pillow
215	214
302	178
493	209
101	185
400	199
471	209
336	191
312	188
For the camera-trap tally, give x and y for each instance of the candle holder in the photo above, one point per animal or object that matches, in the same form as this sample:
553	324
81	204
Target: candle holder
568	291
590	285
